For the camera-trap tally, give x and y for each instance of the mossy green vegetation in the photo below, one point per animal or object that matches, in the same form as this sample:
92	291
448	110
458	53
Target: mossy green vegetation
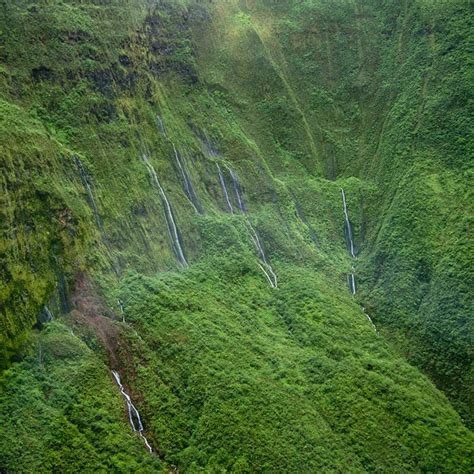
295	379
60	412
230	375
290	102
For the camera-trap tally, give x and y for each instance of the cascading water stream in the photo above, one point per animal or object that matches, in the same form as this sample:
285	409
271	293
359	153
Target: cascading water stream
270	274
237	190
122	309
350	242
351	280
161	124
172	228
369	318
133	415
188	185
347	226
264	265
48	313
224	189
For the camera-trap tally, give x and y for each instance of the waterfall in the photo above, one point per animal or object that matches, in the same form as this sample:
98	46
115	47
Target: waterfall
133	415
349	242
347	226
87	183
369	318
161	125
63	294
48	313
224	189
238	191
265	266
172	228
122	311
188	185
351	282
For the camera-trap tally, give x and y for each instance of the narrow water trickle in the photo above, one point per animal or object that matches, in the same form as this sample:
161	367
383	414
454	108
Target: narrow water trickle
347	226
172	227
187	183
224	189
48	313
161	125
133	415
264	265
369	318
349	236
122	310
238	191
351	282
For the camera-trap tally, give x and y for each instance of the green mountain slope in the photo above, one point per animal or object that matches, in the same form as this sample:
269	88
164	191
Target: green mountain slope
171	193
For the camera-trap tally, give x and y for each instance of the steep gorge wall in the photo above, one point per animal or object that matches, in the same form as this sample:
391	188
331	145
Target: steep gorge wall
380	93
292	96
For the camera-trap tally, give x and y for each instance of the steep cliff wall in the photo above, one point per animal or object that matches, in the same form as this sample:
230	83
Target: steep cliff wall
188	159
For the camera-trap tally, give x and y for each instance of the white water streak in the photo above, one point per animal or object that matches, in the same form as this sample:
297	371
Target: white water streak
122	312
172	228
224	189
369	318
235	183
352	283
49	314
161	125
133	415
272	278
187	185
348	224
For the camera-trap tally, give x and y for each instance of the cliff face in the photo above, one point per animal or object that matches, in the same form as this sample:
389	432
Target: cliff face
187	159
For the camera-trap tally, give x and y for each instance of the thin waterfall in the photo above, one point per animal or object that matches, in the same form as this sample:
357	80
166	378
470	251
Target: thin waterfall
133	415
224	189
265	266
161	125
49	315
369	318
238	191
349	242
87	183
351	282
63	293
172	228
347	226
188	185
349	235
122	309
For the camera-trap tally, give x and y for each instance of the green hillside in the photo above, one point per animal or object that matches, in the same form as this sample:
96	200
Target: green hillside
173	176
